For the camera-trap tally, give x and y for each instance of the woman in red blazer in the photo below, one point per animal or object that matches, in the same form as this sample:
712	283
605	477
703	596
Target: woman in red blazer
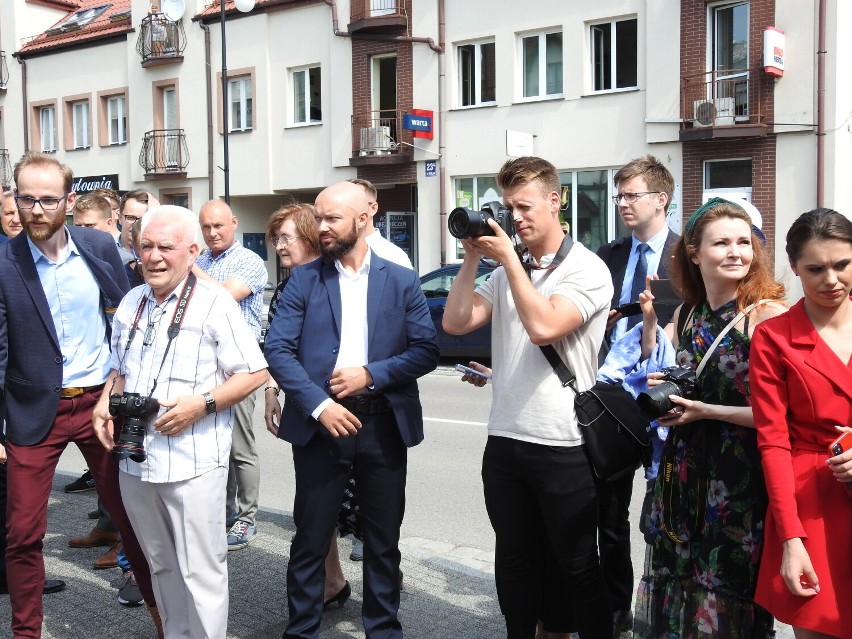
801	380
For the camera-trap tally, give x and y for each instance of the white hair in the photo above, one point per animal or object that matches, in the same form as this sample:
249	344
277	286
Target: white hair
185	218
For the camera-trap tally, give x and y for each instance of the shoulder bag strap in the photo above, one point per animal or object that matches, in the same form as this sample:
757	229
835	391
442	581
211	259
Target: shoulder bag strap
720	336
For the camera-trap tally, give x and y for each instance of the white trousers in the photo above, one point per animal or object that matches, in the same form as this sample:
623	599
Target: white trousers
180	527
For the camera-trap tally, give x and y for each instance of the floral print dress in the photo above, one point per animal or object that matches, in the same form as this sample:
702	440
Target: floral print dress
704	587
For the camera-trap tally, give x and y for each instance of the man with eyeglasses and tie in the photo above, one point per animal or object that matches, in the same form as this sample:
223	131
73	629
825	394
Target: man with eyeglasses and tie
644	189
243	273
133	206
59	287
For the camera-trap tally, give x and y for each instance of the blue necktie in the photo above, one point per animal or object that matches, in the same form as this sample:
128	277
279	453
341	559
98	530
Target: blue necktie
638	284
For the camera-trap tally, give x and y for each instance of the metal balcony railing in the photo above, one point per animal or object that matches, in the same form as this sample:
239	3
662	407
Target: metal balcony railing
160	40
164	152
726	97
379	133
366	9
4	71
5	170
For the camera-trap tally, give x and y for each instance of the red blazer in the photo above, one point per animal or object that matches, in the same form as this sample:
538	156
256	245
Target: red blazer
799	390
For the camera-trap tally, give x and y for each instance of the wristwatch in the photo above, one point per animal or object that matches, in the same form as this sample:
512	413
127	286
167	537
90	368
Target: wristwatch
209	403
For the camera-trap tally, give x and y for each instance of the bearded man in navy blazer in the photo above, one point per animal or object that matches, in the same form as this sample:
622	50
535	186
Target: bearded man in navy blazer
351	335
59	287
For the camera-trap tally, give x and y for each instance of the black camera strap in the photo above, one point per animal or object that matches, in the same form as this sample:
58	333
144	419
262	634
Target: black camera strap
174	325
559	367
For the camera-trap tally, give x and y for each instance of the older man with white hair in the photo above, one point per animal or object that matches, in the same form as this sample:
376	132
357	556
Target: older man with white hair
183	356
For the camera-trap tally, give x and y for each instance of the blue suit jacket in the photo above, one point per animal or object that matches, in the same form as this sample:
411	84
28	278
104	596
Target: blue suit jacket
30	357
304	339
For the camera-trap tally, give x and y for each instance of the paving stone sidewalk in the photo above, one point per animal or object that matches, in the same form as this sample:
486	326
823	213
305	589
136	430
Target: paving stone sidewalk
449	591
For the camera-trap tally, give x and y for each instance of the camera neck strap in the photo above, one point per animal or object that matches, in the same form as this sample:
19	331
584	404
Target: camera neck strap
566	377
174	325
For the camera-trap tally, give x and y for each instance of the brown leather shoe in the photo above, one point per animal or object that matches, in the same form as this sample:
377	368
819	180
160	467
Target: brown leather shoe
109	559
158	623
98	537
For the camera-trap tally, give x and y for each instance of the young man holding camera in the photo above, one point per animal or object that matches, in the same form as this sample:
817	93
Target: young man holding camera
539	489
181	345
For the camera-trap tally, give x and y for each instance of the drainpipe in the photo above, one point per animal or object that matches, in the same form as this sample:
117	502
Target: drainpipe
210	158
442	177
24	95
820	133
335	28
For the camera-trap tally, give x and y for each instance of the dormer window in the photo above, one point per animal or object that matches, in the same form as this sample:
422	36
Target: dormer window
83	17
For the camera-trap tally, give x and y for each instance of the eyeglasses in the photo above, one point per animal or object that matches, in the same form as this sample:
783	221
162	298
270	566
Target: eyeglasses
630	198
284	240
26	203
131	219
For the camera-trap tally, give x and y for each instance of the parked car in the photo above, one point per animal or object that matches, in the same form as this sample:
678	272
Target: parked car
436	287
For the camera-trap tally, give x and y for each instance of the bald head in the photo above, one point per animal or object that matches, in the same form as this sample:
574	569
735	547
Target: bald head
342	213
218	226
347	194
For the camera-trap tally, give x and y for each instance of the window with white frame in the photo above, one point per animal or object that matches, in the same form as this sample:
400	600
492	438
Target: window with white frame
472	193
80	124
117	119
729	26
47	129
477	73
307	95
240	98
541	64
613	54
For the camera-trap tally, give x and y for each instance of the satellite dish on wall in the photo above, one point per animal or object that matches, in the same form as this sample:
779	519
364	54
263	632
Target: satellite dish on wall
173	9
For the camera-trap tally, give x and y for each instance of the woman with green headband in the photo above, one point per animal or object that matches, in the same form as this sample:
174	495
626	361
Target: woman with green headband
705	525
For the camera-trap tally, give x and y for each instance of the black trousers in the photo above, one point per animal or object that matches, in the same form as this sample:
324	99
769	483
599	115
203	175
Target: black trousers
322	472
542	503
614	539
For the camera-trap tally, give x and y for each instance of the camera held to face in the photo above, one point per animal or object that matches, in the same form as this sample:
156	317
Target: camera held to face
676	380
136	411
464	223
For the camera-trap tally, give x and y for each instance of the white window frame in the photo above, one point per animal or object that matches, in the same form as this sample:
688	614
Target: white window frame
305	74
117	112
47	128
478	65
542	65
244	100
80	124
613	57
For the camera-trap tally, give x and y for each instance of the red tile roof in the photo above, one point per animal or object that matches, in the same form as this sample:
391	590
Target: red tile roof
115	20
211	7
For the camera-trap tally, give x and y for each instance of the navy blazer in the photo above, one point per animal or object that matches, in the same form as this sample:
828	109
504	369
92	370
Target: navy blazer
304	339
30	357
615	256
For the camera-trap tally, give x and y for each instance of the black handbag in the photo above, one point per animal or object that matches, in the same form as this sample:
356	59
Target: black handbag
617	436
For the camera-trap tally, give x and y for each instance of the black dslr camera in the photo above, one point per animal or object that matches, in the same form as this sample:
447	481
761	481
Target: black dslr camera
464	222
136	411
677	380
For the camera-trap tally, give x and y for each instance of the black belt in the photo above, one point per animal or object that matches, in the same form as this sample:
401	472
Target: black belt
365	404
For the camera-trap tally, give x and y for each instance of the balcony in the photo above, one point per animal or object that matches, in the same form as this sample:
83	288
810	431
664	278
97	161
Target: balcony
164	154
723	104
378	138
161	41
4	72
377	16
5	170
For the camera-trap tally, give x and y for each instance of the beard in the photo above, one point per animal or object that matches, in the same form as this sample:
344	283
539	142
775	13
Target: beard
41	234
342	245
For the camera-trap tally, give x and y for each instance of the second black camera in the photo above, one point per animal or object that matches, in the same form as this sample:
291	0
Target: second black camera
676	380
136	410
464	222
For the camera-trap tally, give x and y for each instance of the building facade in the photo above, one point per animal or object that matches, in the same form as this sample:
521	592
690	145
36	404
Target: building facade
427	99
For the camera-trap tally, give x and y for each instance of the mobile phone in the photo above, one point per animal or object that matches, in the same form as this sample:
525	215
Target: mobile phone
467	370
665	299
840	445
626	310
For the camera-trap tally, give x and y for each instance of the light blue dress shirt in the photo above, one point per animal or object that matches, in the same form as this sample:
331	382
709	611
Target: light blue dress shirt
74	298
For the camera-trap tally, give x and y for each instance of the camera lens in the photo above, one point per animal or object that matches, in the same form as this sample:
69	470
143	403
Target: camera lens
459	223
655	401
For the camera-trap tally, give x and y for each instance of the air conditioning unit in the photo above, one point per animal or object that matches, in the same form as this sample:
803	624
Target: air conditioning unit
376	140
718	112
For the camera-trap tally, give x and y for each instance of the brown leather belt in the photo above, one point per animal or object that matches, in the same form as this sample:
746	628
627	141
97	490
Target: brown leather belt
76	391
365	404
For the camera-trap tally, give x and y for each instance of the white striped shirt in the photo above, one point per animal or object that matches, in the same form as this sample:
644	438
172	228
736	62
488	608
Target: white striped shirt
214	343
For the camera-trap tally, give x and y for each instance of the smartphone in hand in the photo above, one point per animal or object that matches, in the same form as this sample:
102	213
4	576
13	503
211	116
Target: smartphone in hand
467	370
840	445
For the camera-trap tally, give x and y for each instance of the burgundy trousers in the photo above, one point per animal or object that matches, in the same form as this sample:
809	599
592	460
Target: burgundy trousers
30	478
